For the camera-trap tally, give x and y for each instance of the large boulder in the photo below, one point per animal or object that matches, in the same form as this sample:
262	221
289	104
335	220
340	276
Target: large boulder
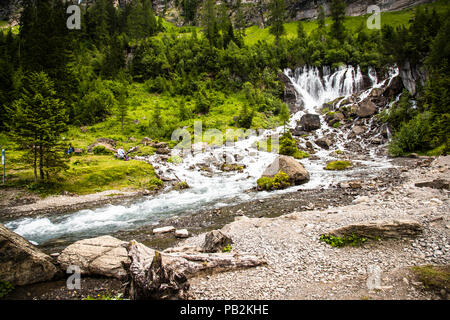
394	88
381	229
21	263
310	122
324	143
104	256
294	169
366	109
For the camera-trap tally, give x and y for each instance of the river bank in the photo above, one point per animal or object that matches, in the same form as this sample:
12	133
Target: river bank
300	260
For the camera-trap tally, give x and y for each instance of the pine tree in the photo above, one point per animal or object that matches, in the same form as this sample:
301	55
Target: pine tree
301	34
209	22
321	18
284	115
189	10
183	112
150	23
38	120
114	58
338	15
240	22
245	117
276	19
122	105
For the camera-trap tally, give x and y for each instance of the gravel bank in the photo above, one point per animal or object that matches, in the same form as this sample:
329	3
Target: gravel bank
302	267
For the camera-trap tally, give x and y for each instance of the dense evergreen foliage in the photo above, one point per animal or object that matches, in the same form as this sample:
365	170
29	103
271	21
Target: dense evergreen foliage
86	74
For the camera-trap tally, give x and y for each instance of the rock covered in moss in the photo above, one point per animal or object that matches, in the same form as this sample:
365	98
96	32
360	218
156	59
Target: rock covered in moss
338	165
294	169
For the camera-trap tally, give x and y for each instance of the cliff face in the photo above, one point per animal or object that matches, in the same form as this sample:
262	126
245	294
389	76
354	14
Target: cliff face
307	9
255	11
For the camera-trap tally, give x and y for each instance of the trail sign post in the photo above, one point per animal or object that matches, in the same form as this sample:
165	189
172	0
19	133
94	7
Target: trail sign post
3	164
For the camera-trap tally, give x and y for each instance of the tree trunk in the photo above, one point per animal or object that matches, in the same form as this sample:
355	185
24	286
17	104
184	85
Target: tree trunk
41	162
35	164
165	275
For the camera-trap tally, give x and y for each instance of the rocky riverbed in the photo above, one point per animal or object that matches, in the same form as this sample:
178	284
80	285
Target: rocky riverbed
285	230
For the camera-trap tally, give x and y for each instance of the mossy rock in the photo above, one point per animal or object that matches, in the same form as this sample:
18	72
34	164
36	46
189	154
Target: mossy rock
181	185
338	165
300	154
277	182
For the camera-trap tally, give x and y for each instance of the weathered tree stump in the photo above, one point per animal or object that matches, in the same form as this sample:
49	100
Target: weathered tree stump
165	275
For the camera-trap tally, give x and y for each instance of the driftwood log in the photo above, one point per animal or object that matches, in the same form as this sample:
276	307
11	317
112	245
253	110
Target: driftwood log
165	275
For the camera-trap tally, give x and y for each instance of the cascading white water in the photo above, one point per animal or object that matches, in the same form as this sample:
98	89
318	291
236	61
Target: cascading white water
314	90
219	189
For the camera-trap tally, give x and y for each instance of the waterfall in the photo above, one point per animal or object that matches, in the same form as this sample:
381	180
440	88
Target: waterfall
314	90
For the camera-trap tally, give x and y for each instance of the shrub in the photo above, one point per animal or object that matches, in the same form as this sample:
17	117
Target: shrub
353	240
288	147
411	137
279	181
338	165
5	288
227	248
300	154
155	184
175	159
337	124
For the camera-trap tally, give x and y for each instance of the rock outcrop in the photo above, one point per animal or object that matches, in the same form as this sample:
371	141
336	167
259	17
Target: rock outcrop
435	184
310	122
366	109
294	169
381	229
104	256
21	263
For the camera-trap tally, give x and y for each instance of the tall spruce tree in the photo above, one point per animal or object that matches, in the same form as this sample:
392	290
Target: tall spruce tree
276	19
209	22
337	9
321	18
38	120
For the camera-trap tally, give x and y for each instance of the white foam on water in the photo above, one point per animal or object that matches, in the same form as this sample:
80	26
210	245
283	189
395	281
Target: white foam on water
220	189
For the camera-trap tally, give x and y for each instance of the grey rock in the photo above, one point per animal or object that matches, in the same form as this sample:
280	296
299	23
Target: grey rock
215	241
21	263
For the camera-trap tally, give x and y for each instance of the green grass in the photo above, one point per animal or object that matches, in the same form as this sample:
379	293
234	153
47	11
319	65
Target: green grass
90	173
395	18
434	277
